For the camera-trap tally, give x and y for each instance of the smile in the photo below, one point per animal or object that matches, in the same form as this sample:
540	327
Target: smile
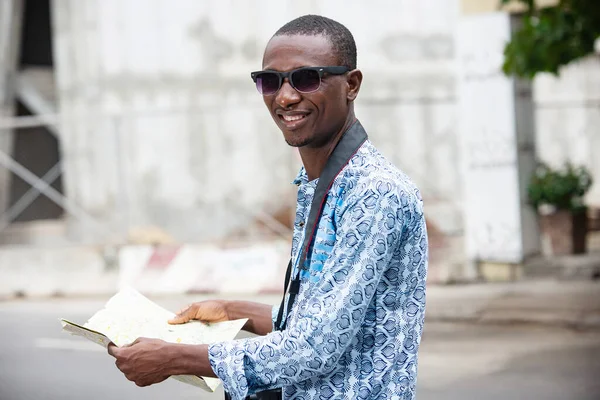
292	118
293	121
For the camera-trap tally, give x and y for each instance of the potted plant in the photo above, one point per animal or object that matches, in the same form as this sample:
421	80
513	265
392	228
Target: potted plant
557	196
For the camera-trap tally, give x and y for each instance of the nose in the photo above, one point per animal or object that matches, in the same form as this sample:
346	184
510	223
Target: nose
287	95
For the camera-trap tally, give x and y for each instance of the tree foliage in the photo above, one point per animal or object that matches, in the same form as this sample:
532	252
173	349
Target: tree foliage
552	37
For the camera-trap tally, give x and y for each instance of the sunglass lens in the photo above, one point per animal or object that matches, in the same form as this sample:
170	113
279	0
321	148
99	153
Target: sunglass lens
306	80
267	83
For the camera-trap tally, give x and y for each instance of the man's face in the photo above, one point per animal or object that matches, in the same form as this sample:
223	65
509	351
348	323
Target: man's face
307	119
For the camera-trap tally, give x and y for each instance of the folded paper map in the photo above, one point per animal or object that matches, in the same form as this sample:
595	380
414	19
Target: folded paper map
129	315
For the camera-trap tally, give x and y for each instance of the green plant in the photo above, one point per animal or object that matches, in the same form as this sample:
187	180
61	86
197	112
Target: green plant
551	37
560	188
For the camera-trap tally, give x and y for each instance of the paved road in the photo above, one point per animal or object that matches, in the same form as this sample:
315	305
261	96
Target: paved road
458	361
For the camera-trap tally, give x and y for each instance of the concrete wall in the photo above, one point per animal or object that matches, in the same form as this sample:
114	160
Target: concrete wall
568	119
187	144
190	268
163	128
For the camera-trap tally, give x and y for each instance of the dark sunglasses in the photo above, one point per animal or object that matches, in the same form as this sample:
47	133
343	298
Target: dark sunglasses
304	80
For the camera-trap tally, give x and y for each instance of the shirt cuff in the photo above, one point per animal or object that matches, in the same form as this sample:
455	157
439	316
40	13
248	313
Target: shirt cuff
227	362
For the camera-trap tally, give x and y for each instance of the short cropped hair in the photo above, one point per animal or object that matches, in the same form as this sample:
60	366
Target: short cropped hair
340	37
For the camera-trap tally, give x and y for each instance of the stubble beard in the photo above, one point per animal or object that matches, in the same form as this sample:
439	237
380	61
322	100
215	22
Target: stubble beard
297	141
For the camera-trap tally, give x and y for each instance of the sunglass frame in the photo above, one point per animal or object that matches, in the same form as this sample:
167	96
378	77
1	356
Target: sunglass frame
333	70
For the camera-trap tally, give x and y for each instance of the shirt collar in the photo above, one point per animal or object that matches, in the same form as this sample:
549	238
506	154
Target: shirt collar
301	178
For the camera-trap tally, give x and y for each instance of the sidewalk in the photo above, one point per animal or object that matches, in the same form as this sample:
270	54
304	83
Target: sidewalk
573	304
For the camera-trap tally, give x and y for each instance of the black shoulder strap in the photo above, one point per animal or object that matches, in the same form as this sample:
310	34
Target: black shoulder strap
346	148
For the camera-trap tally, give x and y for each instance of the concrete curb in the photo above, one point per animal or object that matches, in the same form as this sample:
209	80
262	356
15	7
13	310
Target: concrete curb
570	304
27	271
256	268
569	267
65	271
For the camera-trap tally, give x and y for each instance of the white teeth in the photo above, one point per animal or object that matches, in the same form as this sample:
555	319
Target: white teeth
291	118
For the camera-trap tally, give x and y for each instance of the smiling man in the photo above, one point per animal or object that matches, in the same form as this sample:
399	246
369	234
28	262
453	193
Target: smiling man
351	322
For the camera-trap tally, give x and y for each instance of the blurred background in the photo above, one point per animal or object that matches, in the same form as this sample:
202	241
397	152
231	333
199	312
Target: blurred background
135	150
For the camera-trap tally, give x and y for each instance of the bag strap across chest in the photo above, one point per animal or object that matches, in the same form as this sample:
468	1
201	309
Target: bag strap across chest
346	148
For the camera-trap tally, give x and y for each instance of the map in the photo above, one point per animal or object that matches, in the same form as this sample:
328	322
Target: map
129	315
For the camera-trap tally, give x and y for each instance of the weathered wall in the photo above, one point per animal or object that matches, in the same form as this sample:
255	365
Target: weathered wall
188	145
162	126
408	96
568	119
184	146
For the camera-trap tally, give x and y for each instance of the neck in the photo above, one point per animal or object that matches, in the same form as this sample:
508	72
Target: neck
315	158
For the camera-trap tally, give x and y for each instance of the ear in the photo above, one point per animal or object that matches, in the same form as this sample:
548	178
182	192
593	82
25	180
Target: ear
354	80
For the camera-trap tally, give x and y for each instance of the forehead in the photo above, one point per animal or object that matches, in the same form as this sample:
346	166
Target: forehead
284	53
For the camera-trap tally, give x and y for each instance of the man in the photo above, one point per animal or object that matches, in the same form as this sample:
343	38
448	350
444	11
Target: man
354	329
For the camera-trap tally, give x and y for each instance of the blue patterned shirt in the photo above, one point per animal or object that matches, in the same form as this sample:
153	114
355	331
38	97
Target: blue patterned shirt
355	327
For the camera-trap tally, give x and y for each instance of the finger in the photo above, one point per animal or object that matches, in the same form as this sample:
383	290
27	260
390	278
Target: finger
182	317
179	319
184	309
113	349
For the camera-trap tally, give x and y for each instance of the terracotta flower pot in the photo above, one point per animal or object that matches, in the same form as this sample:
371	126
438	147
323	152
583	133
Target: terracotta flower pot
564	232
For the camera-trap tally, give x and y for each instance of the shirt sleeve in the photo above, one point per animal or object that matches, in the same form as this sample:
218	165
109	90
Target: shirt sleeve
369	228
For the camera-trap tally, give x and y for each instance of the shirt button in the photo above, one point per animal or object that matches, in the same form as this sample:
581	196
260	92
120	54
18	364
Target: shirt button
301	224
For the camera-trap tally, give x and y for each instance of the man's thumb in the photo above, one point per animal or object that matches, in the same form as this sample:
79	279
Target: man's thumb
112	349
180	318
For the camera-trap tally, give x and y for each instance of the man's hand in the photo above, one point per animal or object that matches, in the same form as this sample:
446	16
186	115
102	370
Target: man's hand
259	315
145	361
206	311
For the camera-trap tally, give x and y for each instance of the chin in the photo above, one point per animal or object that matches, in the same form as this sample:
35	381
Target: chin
296	140
296	143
